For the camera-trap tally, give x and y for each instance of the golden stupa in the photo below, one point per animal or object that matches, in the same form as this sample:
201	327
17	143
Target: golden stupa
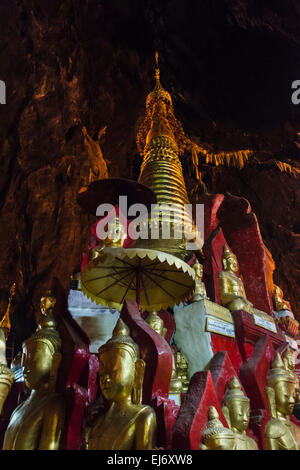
161	141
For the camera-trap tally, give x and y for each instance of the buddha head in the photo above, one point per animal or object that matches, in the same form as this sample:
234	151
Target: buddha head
215	435
198	268
236	407
48	302
116	233
121	372
157	323
229	260
41	355
283	382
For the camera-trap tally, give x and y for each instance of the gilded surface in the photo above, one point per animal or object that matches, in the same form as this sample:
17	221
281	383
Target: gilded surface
38	422
128	424
215	435
232	290
236	409
280	432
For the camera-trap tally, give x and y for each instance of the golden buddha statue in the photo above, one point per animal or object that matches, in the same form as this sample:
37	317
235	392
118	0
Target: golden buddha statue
216	436
37	423
158	325
116	235
127	425
200	290
182	371
280	431
236	410
280	303
6	375
233	294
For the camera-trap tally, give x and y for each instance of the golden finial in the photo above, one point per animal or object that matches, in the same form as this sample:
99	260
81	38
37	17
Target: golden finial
5	322
157	71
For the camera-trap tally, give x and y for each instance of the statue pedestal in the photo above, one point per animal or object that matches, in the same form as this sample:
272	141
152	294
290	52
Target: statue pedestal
97	322
191	337
204	328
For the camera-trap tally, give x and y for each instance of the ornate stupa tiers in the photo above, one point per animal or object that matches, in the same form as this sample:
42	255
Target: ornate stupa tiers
161	141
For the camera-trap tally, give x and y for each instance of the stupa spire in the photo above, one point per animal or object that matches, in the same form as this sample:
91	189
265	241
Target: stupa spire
160	141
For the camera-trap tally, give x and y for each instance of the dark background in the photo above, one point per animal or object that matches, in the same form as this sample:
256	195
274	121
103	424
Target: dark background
228	65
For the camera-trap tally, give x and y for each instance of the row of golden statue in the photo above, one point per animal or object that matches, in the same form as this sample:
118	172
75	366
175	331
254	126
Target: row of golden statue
38	422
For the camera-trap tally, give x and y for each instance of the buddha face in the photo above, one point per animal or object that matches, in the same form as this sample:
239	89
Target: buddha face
36	362
47	302
116	372
231	264
116	232
285	397
239	414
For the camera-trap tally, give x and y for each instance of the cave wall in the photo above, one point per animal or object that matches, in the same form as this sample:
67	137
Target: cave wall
228	65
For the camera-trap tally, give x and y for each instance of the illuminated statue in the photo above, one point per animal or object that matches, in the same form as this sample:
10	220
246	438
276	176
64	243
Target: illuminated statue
6	374
283	314
233	294
200	290
280	303
115	237
236	410
127	425
215	435
280	432
182	370
158	325
37	423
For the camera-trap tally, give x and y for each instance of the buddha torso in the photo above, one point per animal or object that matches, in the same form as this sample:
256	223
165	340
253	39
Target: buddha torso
280	434
118	430
32	422
244	442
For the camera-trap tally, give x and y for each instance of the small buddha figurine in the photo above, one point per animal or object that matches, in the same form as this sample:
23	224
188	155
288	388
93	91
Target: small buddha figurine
115	237
182	370
37	423
200	290
216	436
6	375
280	303
236	410
158	325
127	425
232	290
284	317
280	432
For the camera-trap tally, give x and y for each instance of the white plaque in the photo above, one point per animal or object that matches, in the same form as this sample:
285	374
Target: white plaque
176	397
264	323
221	327
292	342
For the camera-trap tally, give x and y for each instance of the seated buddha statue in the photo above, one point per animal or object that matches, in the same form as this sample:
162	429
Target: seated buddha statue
200	290
158	325
232	290
216	436
115	237
37	423
128	424
236	409
280	431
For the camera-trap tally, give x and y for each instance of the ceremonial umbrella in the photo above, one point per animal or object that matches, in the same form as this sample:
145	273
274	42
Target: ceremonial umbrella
156	280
